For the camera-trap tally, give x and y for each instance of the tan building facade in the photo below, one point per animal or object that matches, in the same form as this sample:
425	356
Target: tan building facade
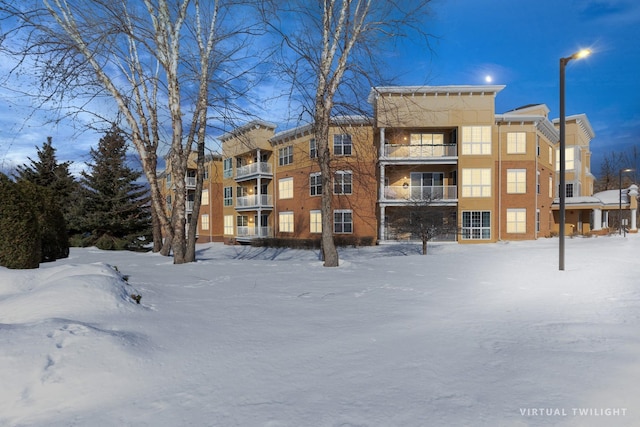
487	177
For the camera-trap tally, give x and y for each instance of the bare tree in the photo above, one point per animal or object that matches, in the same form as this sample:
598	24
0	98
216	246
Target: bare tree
333	50
158	61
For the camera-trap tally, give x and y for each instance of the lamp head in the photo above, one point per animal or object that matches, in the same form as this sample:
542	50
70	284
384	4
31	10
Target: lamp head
581	54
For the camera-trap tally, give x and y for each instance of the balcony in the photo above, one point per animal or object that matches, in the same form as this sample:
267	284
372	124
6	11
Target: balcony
253	232
189	206
435	194
254	202
190	182
420	151
253	170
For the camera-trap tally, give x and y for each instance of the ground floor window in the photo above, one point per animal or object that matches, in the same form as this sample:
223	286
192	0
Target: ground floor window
285	220
343	221
315	221
476	225
516	220
228	225
204	221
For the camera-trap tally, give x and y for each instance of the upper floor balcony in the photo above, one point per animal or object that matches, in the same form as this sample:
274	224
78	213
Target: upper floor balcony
424	194
253	170
419	151
263	201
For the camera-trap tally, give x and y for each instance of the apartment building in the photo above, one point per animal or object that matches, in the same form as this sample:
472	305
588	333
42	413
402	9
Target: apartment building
484	176
272	184
210	226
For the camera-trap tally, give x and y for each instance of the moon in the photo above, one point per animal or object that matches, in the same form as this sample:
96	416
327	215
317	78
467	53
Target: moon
488	79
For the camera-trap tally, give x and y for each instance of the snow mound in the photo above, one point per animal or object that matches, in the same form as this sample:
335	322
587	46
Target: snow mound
86	290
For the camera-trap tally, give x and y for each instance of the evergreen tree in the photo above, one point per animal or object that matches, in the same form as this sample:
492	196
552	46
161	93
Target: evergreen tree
116	210
20	244
47	172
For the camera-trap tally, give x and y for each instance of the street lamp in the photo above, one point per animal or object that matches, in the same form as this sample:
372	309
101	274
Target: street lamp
563	63
620	198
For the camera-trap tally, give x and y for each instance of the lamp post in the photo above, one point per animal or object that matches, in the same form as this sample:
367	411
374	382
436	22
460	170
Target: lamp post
563	63
620	198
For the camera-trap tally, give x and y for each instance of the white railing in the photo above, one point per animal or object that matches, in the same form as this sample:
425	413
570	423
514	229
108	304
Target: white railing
255	200
433	193
253	169
253	231
191	181
189	205
420	151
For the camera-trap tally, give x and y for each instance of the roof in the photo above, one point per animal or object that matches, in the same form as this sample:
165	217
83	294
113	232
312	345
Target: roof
254	124
607	198
307	129
582	121
449	89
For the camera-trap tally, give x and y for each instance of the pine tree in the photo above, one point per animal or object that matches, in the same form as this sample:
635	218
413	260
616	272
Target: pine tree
47	172
116	209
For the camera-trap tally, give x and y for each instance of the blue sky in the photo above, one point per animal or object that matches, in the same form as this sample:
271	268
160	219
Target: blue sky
516	42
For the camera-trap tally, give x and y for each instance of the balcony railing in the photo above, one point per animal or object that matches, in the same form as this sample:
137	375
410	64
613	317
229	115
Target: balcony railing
420	151
426	193
257	200
254	169
254	232
189	205
191	182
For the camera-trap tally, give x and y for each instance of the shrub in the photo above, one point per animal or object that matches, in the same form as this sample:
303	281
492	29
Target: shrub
20	245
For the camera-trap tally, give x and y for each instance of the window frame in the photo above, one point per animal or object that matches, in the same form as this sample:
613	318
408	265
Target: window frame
204	222
313	149
516	143
315	184
315	221
285	155
342	144
227	168
516	220
285	191
342	224
227	199
288	225
474	144
516	181
472	189
228	225
474	231
341	184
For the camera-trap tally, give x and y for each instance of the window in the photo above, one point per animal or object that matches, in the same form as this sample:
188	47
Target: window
243	220
476	182
313	149
516	142
168	182
551	186
569	192
569	159
342	221
228	196
169	201
315	184
227	168
342	145
476	140
342	183
476	225
285	188
285	220
228	224
315	221
516	181
550	155
205	196
538	182
516	220
538	220
285	156
206	173
204	221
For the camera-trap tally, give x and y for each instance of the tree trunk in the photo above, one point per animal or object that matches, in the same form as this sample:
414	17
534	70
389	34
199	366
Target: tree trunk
329	251
424	246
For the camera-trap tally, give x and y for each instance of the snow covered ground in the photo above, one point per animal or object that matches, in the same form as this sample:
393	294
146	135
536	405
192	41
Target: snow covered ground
470	335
